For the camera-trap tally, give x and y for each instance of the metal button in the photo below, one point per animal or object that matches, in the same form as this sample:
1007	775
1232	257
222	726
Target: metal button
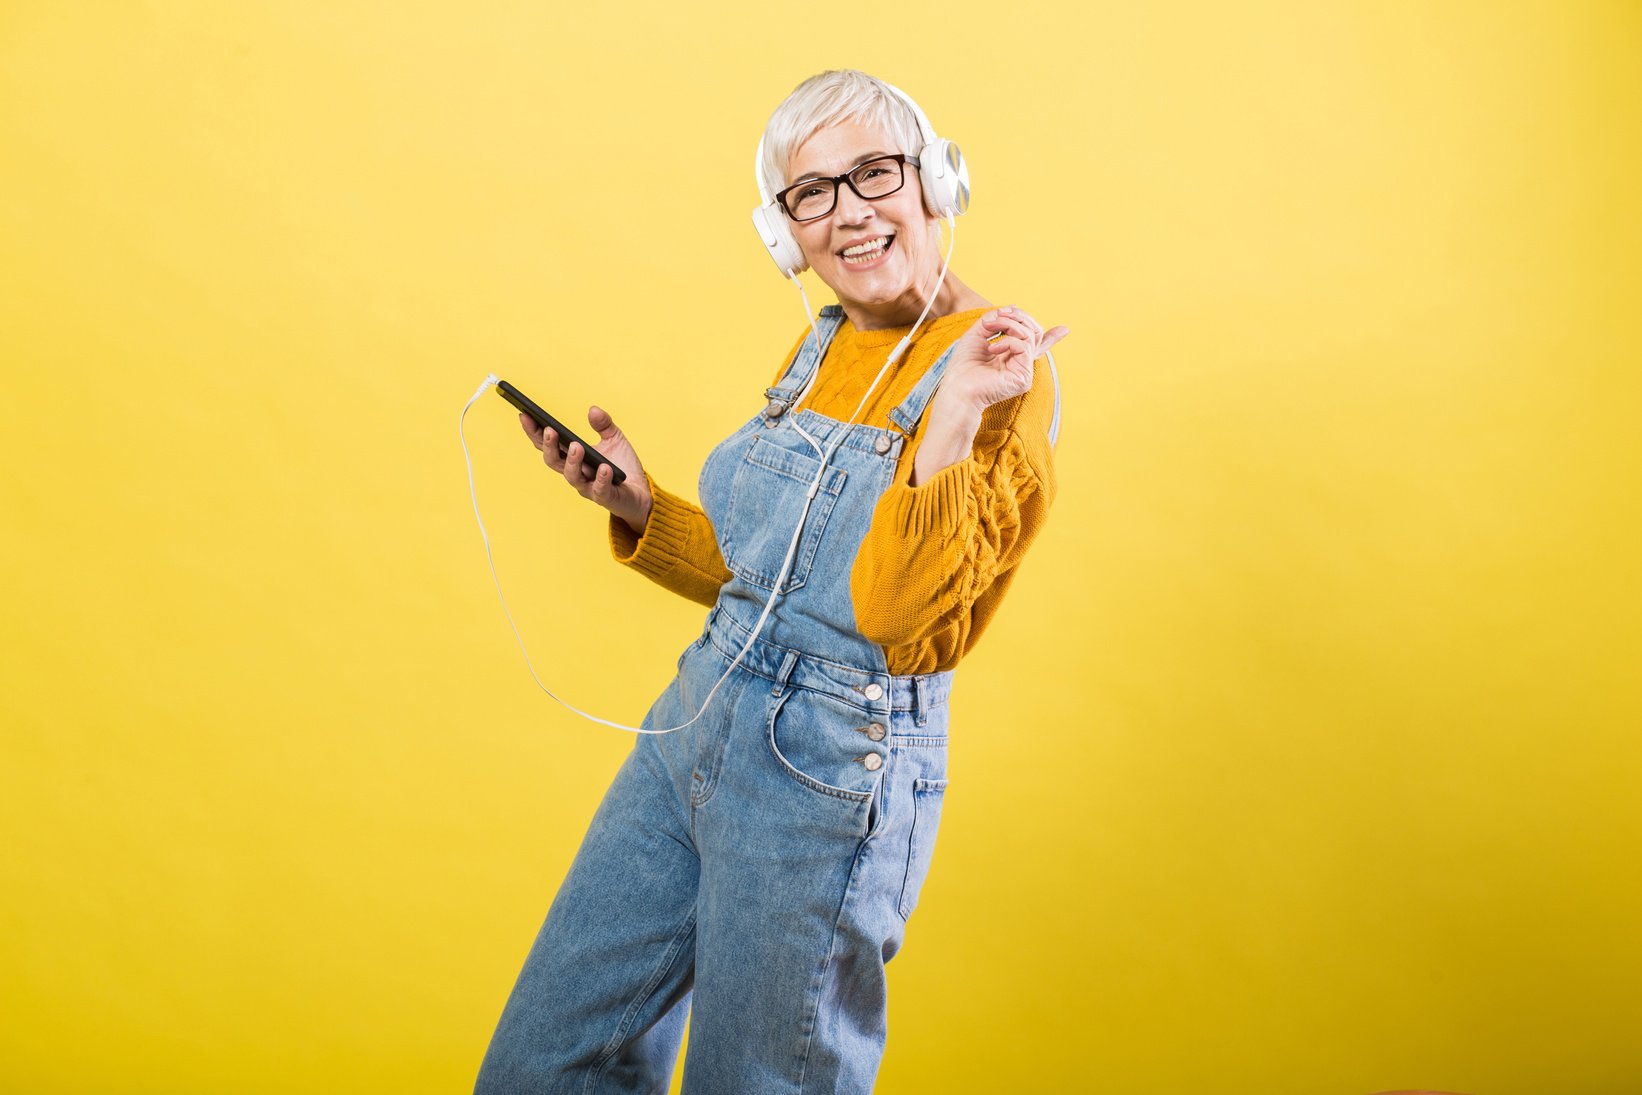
776	408
882	445
875	731
872	762
873	691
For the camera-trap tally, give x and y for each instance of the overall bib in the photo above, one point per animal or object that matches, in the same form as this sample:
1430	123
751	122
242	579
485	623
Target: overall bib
759	865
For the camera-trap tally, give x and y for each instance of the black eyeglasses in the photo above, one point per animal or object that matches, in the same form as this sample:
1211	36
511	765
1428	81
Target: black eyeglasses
812	199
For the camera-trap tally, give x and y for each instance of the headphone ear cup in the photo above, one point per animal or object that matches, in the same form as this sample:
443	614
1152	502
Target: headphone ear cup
945	176
776	233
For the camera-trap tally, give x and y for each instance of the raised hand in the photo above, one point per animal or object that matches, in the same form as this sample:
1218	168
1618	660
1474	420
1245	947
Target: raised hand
993	359
992	362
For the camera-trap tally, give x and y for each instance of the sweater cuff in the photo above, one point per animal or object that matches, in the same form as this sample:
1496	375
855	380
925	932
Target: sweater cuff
937	506
661	546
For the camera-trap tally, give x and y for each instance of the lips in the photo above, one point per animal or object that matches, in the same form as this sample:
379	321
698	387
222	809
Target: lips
867	251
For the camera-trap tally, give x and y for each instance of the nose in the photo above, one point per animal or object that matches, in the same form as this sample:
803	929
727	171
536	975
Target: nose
851	207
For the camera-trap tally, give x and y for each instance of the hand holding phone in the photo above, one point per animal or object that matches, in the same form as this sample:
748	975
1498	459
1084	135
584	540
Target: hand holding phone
592	458
625	496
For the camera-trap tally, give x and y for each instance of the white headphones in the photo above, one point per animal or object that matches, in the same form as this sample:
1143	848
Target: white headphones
941	168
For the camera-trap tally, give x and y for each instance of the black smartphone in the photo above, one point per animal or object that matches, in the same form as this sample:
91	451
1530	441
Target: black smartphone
591	458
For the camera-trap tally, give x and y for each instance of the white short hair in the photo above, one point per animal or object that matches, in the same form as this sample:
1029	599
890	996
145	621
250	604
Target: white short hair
826	99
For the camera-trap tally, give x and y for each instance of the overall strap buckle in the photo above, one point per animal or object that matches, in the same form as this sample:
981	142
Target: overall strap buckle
910	413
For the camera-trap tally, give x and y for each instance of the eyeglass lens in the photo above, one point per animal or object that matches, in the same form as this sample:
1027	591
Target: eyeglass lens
873	179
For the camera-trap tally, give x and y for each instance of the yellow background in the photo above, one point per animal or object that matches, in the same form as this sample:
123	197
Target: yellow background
1303	758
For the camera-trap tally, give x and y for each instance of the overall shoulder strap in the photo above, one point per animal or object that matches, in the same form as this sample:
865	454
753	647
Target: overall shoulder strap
907	415
808	358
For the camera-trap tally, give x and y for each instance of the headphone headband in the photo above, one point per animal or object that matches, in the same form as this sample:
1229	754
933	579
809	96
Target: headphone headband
917	112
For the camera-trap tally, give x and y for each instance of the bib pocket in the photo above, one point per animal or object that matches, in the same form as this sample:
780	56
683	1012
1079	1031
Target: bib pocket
766	498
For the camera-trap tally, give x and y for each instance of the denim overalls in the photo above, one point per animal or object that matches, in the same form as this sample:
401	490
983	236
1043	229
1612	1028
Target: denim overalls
761	863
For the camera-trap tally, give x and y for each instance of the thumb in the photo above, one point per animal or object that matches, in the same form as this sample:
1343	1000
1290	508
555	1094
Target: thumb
600	420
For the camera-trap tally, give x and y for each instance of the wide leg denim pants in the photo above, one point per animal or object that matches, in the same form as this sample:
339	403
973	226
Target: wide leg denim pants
755	870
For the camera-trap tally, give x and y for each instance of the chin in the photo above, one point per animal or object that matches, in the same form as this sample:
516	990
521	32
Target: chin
878	287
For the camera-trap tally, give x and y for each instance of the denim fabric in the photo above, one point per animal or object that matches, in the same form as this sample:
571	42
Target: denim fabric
754	870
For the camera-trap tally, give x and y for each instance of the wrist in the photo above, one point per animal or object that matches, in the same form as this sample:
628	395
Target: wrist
954	414
639	519
948	439
950	427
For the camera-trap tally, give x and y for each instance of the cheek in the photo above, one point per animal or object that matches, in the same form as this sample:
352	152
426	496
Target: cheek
916	241
814	246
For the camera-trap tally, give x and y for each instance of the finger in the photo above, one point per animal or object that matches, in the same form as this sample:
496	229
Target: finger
996	319
1022	315
533	431
1010	345
551	456
573	468
1012	324
601	489
1015	310
1055	335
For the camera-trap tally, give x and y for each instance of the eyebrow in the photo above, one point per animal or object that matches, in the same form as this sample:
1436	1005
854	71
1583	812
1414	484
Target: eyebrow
866	158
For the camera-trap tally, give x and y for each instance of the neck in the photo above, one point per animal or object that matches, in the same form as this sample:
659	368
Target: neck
953	296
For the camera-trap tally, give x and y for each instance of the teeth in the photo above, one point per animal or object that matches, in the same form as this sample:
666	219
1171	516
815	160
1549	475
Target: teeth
864	251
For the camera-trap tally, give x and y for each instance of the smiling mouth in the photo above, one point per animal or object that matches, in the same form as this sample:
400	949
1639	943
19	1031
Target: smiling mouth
870	251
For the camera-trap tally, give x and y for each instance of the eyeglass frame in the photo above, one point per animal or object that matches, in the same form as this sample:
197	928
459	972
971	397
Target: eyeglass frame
901	157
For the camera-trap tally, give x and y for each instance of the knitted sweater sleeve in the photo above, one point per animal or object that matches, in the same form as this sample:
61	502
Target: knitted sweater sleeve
938	557
678	550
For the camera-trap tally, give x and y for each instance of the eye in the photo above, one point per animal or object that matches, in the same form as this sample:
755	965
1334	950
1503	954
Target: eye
873	171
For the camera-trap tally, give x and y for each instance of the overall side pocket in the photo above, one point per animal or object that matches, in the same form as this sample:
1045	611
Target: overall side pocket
817	739
927	798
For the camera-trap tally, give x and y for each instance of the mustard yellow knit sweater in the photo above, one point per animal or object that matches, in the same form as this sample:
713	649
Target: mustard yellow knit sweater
938	557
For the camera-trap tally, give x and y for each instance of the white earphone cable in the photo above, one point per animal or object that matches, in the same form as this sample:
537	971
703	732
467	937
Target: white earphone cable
809	497
490	381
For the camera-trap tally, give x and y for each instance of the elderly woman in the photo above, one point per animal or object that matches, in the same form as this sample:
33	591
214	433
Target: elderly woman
754	869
